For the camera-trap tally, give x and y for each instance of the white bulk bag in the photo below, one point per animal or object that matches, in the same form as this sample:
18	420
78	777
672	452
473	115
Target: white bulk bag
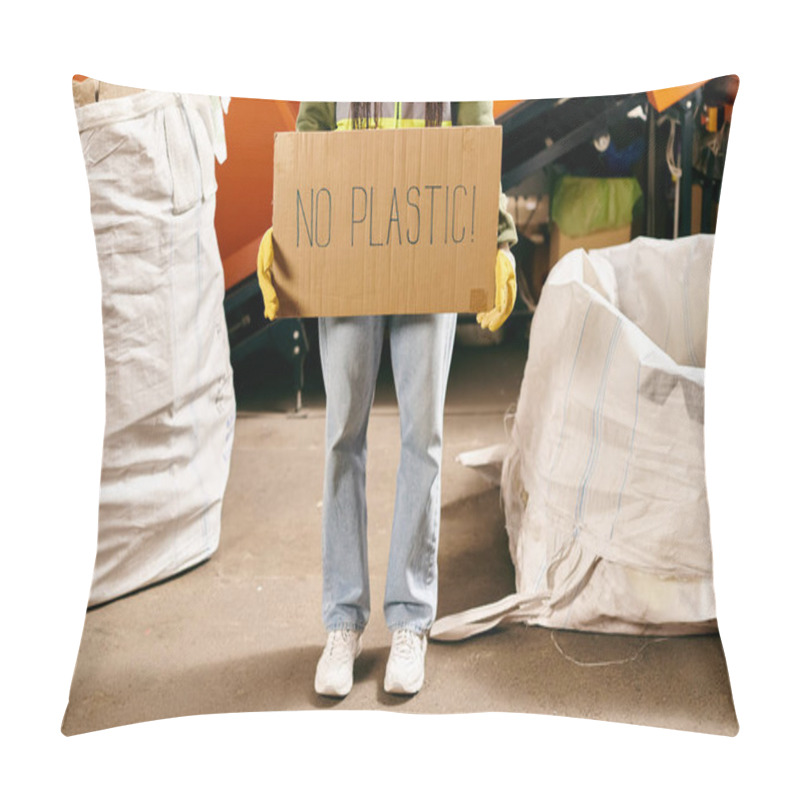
604	482
170	408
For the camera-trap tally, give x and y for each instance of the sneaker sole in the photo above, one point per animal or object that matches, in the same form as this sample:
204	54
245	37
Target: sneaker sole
395	687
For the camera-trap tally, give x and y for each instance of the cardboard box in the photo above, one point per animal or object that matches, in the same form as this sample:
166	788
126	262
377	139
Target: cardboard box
561	244
386	221
697	210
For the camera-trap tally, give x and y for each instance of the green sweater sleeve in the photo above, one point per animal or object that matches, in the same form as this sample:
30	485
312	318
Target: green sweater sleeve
481	113
316	117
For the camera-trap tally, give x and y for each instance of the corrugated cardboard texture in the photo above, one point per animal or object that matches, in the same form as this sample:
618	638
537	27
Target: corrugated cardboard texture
561	244
386	221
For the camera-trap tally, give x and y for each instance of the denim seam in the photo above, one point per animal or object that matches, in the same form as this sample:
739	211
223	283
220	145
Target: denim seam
345	626
411	626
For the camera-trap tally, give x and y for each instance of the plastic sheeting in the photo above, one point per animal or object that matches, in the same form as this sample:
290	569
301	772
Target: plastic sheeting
604	480
170	408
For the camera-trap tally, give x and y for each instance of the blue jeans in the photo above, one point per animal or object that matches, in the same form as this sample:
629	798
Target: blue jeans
350	349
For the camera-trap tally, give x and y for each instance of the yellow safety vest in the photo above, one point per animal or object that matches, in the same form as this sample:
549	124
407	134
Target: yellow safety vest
391	115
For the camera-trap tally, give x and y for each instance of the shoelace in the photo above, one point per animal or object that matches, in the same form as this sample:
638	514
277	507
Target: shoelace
406	644
339	647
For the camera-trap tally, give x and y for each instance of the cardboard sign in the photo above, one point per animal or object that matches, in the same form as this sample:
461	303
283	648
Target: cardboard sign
386	221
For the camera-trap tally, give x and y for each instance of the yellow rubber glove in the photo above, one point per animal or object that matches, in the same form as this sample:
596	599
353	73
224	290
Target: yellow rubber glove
264	271
505	293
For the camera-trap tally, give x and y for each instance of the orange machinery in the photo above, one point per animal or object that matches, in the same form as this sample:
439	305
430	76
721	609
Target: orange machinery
244	196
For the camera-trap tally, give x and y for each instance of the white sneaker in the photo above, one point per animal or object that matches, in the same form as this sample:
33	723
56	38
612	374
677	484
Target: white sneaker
335	667
405	671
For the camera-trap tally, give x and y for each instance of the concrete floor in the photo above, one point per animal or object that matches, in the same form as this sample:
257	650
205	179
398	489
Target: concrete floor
242	632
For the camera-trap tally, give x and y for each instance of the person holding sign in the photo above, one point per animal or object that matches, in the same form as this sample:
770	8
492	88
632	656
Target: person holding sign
421	349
